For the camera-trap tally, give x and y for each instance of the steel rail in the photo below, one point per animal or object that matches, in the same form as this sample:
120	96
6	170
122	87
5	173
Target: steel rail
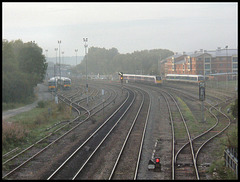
188	134
126	138
142	140
45	138
173	137
57	170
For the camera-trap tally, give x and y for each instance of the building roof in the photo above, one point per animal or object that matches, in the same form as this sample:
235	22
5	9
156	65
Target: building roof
180	61
214	53
198	54
223	52
176	56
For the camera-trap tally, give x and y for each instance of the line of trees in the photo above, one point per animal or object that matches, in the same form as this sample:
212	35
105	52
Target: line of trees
109	61
24	66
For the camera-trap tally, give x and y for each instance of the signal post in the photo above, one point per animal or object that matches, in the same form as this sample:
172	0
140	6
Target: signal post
121	78
202	97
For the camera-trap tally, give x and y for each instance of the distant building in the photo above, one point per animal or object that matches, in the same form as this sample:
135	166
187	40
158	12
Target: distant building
202	62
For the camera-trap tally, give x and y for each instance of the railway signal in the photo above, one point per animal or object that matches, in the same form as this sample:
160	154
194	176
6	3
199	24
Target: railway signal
202	91
157	164
151	165
202	97
121	78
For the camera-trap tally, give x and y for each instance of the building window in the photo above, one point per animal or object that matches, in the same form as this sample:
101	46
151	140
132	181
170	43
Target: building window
207	66
207	60
235	65
199	59
235	59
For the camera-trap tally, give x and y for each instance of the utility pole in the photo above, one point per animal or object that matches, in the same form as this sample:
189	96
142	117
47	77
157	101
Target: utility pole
202	97
59	42
55	74
85	45
76	55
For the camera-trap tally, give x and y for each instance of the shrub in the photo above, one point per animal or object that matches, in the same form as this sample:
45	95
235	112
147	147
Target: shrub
234	109
41	104
61	107
12	133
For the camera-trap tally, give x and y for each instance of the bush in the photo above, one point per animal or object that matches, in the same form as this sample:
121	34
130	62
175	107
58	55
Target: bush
234	109
220	171
41	104
61	106
12	133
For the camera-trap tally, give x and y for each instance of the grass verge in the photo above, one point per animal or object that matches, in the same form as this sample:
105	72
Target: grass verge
28	127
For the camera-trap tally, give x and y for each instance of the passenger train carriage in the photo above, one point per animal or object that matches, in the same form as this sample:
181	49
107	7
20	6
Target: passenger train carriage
65	83
55	82
185	78
155	80
52	84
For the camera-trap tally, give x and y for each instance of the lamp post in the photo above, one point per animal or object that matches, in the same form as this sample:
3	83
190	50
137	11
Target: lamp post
62	57
59	42
56	49
62	60
85	45
227	68
76	55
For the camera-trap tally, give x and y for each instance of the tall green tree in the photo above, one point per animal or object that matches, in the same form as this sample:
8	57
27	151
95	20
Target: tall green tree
109	61
24	67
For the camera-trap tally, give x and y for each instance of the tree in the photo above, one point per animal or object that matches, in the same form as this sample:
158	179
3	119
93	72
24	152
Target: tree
110	61
23	67
32	62
234	109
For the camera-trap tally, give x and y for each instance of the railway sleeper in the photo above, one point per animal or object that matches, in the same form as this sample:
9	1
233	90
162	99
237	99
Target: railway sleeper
184	164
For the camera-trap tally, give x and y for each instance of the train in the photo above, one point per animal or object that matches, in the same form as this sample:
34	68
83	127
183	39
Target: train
64	83
185	78
52	84
56	82
149	79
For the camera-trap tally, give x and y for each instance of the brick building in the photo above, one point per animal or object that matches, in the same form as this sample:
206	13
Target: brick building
201	63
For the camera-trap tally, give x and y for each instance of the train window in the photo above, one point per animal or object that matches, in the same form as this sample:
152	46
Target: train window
67	82
51	83
200	78
158	78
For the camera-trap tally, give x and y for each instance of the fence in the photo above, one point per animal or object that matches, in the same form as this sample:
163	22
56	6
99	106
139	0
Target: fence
231	159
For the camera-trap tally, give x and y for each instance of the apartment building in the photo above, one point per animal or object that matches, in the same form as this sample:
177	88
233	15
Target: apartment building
202	62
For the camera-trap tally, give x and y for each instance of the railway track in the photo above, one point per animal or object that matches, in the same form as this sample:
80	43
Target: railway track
187	160
186	151
52	137
184	167
73	165
127	163
200	141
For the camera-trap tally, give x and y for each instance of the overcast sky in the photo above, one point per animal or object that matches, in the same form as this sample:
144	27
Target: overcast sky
128	27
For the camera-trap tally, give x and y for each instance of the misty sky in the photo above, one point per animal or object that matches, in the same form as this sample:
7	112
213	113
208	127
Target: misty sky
128	27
